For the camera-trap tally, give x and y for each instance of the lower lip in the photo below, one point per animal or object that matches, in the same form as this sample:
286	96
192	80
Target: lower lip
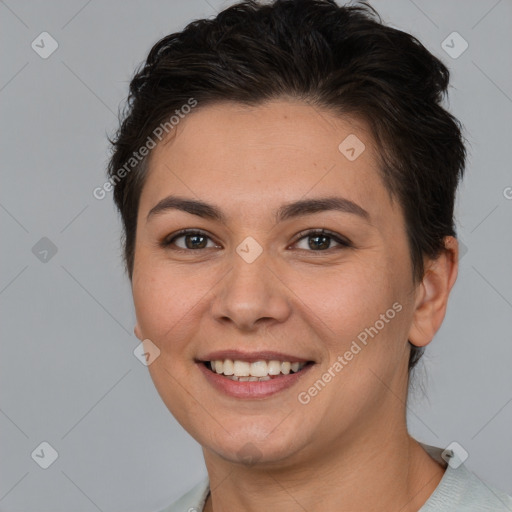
255	389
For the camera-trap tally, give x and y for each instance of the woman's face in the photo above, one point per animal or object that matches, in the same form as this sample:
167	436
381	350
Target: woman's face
258	284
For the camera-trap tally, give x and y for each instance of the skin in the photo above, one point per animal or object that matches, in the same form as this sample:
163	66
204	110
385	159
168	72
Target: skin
348	449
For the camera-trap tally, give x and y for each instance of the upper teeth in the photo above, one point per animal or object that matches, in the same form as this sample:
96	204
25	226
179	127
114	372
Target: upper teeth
256	369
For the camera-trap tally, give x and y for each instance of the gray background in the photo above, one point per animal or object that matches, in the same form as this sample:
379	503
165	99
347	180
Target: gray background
68	375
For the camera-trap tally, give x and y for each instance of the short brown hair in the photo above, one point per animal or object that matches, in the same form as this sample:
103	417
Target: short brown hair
340	58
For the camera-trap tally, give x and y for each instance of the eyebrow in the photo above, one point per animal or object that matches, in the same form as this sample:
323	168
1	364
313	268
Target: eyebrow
285	212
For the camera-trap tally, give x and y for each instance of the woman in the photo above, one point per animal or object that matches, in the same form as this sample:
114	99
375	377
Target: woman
286	178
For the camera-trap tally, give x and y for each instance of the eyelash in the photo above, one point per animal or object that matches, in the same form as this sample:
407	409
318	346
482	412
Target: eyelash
169	240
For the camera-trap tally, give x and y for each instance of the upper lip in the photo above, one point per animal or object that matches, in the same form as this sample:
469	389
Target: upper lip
251	357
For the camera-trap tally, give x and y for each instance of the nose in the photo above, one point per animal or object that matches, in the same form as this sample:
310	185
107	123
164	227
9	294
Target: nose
250	295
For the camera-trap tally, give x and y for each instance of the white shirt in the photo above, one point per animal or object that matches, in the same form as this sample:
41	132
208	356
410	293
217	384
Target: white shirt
460	490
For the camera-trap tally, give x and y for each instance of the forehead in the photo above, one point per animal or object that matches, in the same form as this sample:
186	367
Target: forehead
281	151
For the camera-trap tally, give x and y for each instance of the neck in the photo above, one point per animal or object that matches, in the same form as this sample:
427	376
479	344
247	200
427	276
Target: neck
389	474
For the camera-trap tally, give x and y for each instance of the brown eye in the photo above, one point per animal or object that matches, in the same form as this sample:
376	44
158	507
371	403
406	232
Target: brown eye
321	240
192	240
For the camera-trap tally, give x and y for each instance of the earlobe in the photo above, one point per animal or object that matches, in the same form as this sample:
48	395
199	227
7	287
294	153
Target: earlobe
137	332
433	293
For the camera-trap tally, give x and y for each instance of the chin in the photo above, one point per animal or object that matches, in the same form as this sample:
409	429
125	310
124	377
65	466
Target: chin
254	445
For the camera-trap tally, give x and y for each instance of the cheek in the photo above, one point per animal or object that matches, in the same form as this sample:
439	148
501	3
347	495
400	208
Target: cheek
164	301
348	297
361	317
364	320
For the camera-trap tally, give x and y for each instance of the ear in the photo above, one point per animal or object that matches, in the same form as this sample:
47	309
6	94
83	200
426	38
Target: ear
137	332
432	293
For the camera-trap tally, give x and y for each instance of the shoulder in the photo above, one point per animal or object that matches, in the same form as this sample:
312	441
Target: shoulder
461	490
192	501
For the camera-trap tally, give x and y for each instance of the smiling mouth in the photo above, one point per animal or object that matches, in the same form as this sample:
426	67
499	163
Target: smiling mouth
257	371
